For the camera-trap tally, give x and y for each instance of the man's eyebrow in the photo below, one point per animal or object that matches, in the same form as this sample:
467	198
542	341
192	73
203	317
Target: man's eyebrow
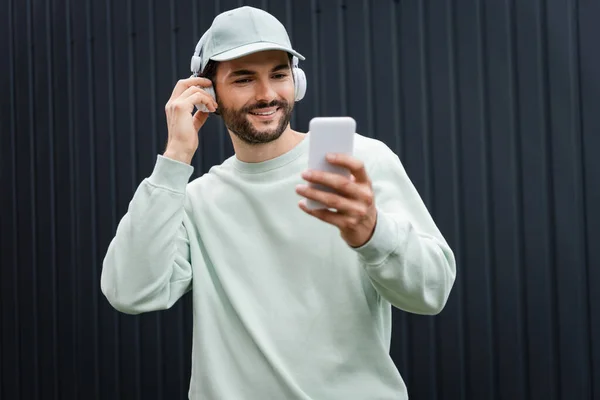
246	72
280	67
241	72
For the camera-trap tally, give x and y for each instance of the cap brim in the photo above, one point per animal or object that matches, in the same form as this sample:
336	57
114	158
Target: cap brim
253	48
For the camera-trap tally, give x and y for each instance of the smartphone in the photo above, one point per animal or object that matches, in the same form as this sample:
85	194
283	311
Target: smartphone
328	135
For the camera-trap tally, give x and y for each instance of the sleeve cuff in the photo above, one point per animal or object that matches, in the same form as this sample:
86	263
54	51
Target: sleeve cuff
383	242
171	174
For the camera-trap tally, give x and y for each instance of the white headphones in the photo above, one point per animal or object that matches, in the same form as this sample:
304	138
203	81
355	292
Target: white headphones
299	80
196	64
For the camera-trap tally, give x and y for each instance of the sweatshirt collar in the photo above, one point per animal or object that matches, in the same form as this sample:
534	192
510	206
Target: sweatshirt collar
274	163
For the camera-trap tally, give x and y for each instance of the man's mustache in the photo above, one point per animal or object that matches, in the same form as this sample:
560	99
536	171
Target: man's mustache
258	106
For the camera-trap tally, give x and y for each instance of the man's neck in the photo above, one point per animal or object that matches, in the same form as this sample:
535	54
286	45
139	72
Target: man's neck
262	152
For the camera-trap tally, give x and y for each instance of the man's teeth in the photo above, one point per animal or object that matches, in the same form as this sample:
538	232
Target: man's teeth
264	113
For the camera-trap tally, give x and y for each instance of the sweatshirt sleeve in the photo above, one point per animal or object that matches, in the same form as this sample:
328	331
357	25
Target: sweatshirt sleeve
147	264
407	258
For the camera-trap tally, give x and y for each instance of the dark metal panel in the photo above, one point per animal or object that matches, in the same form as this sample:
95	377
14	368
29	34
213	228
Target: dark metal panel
45	280
103	142
27	213
10	363
59	57
537	258
354	76
384	102
148	108
565	142
121	39
445	190
88	268
589	85
505	220
490	106
475	271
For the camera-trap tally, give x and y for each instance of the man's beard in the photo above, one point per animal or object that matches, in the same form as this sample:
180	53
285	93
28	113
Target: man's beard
237	122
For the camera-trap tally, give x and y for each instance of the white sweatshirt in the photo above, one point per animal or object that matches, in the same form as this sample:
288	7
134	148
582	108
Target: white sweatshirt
283	308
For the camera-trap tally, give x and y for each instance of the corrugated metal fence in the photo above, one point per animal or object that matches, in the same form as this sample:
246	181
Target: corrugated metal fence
492	106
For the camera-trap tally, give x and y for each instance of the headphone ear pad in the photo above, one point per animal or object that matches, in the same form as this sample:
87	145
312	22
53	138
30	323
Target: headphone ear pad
299	83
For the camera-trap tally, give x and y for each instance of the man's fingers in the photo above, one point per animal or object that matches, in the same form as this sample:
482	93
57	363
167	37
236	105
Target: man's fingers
184	84
329	216
332	200
345	186
356	166
195	89
187	104
344	222
202	97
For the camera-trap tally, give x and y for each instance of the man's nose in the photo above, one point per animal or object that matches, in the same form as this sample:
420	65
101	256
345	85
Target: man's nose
265	92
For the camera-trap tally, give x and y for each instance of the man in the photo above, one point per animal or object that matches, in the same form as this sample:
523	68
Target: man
288	303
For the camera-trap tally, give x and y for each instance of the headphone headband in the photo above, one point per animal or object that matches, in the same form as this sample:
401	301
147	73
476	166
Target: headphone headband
196	63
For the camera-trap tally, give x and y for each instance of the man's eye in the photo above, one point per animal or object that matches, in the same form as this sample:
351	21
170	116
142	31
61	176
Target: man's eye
242	80
280	76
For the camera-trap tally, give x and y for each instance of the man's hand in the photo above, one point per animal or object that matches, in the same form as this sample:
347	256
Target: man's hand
182	124
356	214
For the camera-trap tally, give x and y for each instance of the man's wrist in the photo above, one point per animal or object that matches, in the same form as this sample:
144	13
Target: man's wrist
383	241
179	155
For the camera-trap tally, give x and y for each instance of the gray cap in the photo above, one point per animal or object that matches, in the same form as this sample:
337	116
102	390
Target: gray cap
239	32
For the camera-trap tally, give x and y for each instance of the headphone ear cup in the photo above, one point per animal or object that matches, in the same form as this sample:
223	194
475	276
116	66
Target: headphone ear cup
211	91
299	83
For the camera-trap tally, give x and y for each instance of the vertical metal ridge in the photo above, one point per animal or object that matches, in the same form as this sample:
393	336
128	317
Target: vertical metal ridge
315	50
53	210
517	199
398	116
92	187
33	245
368	68
486	177
548	159
13	150
343	65
289	18
427	156
195	32
133	175
73	179
153	90
320	68
173	37
579	178
173	65
112	174
221	127
179	310
425	104
289	21
111	113
459	232
196	36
